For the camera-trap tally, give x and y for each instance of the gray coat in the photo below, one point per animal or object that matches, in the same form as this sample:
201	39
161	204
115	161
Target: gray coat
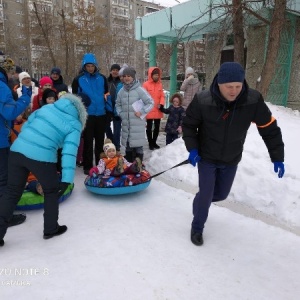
133	128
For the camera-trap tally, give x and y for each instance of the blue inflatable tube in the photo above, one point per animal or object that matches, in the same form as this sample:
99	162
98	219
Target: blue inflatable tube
118	190
125	184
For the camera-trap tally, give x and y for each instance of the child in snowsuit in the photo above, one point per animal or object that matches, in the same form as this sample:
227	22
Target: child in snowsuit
49	97
18	123
45	83
111	164
176	113
33	185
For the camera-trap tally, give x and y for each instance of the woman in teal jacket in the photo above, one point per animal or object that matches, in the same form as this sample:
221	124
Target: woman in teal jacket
53	126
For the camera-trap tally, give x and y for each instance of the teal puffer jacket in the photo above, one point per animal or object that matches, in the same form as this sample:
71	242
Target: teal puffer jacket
54	126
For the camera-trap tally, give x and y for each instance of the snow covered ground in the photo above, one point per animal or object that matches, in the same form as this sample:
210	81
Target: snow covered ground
137	246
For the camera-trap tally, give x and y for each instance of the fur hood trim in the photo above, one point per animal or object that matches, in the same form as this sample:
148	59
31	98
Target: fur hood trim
79	106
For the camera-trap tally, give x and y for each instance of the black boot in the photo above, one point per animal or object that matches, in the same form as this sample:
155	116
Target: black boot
155	136
150	139
1	243
16	220
60	230
196	238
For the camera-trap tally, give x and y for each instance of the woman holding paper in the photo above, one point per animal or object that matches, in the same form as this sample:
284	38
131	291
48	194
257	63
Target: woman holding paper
132	105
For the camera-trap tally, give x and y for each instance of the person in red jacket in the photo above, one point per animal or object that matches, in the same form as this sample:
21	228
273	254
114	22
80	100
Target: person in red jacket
45	83
155	88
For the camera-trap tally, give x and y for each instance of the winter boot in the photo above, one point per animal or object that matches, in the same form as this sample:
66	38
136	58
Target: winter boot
119	169
140	156
1	243
60	230
196	238
150	139
155	136
137	166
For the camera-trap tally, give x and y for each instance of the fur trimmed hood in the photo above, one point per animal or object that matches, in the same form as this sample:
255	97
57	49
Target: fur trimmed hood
72	105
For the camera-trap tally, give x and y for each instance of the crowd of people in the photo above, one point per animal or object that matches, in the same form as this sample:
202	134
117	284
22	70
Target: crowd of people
57	135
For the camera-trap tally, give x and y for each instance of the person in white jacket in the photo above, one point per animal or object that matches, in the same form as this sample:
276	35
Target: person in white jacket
25	79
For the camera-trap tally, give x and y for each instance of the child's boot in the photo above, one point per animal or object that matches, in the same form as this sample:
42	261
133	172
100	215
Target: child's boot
137	166
119	169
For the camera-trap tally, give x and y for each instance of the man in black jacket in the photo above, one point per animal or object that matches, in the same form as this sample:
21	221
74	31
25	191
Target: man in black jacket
58	81
214	132
113	80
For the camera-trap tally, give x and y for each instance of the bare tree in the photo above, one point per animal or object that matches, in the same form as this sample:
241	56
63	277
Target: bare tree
46	27
238	31
236	11
90	33
277	24
79	30
66	38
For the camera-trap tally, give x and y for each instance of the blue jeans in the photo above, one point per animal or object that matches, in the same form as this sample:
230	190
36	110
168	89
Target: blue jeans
215	181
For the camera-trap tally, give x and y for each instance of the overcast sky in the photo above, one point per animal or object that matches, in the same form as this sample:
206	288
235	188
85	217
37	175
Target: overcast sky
295	4
167	2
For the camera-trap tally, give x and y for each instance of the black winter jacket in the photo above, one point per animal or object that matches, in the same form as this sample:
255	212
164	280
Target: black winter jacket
218	128
59	85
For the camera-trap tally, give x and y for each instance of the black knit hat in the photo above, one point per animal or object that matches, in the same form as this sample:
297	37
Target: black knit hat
49	93
115	67
56	70
19	69
231	72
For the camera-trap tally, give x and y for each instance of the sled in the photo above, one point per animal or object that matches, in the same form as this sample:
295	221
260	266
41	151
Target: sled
124	184
30	201
113	185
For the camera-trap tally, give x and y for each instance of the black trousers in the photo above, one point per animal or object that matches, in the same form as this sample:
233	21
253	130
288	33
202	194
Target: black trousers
19	167
94	129
152	134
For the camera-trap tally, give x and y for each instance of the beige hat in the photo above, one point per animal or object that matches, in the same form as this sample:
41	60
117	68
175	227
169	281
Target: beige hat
7	64
108	145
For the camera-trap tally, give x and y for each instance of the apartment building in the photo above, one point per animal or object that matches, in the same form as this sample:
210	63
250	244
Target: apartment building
21	36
